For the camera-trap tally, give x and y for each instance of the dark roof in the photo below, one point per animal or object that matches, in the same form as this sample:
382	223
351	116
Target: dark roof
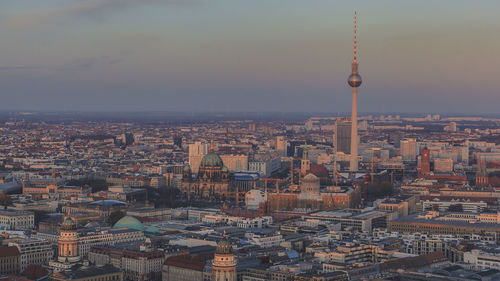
35	271
189	262
414	219
319	170
9	251
84	272
413	262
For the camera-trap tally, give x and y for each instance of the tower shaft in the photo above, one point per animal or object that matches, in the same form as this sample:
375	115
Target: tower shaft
354	131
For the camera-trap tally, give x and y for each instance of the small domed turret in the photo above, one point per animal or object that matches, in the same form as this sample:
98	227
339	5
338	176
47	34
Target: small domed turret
224	247
68	224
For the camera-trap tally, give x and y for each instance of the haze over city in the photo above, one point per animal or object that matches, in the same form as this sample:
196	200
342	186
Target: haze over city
210	56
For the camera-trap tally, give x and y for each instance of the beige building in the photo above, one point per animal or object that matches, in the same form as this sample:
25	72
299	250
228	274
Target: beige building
281	146
235	163
409	149
443	165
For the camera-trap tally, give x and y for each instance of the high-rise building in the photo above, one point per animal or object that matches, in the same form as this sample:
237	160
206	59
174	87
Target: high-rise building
425	161
196	152
354	81
342	140
224	263
281	146
409	149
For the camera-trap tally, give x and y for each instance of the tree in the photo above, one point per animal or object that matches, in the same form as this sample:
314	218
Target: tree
5	200
115	216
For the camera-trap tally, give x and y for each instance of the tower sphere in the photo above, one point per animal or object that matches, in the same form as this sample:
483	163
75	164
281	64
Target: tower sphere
354	80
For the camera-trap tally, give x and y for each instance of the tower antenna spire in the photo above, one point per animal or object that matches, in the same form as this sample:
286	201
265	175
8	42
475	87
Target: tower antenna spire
355	43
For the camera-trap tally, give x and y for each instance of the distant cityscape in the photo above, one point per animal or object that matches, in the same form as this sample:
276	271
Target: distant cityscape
235	196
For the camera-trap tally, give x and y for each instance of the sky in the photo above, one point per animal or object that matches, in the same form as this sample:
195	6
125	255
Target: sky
254	56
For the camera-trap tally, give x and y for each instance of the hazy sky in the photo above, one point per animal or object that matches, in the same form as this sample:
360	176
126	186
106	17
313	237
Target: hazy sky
249	55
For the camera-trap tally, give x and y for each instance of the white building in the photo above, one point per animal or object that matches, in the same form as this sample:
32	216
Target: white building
264	241
467	206
482	260
254	198
265	166
12	219
34	251
243	222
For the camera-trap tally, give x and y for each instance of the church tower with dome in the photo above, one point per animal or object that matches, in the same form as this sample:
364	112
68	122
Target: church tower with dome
224	263
68	248
211	182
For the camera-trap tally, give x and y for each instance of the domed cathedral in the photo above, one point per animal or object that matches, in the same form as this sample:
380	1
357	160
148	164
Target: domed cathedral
68	251
212	181
224	263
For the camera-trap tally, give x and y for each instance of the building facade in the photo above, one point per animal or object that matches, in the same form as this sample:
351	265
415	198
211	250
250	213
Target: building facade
13	219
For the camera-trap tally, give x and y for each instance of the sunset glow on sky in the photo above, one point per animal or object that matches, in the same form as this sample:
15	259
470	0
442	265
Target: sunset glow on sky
259	55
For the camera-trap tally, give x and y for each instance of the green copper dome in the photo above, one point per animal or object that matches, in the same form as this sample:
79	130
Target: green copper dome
129	222
211	160
68	224
224	247
153	229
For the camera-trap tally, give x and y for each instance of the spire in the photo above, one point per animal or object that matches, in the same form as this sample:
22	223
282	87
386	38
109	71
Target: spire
355	51
211	146
355	80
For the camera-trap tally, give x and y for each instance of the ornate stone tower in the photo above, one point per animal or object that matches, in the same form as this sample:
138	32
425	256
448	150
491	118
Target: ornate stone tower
68	242
224	264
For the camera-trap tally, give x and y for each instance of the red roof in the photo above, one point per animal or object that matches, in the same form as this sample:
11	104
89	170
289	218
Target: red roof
9	251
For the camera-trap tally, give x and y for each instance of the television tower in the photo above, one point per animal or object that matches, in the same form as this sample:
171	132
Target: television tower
354	81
